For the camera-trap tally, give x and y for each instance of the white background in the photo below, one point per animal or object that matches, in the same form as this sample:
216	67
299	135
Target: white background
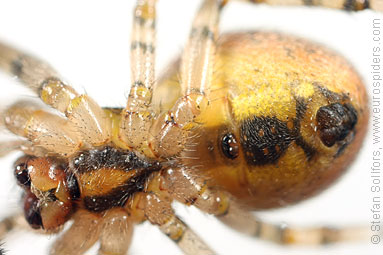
88	42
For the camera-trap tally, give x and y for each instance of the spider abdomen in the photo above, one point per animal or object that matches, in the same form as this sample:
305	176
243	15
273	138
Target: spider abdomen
296	111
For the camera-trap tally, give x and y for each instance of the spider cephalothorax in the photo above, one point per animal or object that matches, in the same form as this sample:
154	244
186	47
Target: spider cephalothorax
95	180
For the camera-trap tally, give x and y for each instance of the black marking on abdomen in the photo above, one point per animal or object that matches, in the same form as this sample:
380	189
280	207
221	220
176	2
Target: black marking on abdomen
307	148
331	96
300	109
265	139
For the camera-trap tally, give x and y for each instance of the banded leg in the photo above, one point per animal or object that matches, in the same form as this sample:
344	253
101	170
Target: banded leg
245	222
89	119
348	5
170	131
184	237
177	230
137	116
191	190
155	206
31	71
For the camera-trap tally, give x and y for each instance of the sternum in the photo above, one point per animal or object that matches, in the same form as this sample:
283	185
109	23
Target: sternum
108	177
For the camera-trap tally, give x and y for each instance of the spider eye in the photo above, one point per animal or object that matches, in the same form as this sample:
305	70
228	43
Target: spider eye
229	145
21	172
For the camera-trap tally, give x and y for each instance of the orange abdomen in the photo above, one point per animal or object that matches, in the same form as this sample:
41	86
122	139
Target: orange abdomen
286	118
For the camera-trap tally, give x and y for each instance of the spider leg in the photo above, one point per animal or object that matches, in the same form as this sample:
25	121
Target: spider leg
10	146
116	233
31	71
336	4
82	235
244	221
43	129
155	206
86	115
193	190
137	116
27	147
90	120
170	130
158	210
184	237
